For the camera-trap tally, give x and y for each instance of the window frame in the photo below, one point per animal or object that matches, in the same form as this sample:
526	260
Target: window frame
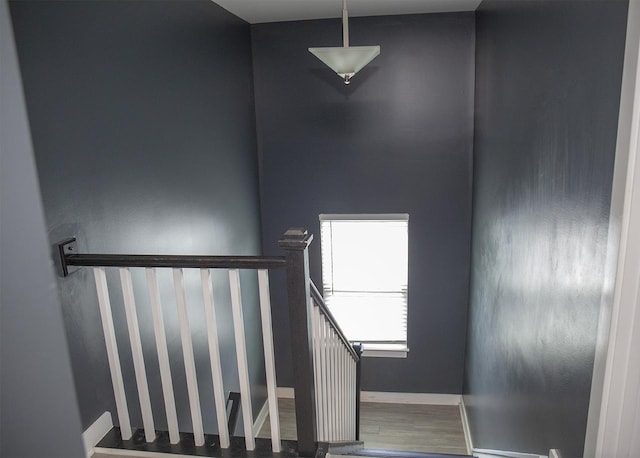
381	350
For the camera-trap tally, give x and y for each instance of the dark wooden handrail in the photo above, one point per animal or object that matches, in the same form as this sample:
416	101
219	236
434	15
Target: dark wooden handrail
69	258
319	301
177	261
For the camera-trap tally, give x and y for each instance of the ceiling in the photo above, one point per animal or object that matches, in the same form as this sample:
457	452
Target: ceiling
257	11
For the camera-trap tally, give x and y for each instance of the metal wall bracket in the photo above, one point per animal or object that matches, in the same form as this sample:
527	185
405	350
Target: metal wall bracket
66	247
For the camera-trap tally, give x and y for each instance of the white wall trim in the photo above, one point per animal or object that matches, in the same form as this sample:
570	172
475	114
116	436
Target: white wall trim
379	353
410	398
118	453
261	418
613	427
394	398
465	426
285	392
94	433
487	453
554	453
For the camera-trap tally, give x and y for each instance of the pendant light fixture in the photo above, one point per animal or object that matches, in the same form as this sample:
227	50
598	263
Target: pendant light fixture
346	60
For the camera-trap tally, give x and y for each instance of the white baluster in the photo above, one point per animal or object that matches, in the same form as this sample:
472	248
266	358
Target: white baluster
189	361
345	408
338	387
354	395
345	418
163	355
355	398
321	385
241	354
330	392
315	331
334	384
324	377
136	351
315	364
214	357
352	405
269	358
348	406
340	392
112	352
346	357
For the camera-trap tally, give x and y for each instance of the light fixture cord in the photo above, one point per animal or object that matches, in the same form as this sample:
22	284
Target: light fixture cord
345	24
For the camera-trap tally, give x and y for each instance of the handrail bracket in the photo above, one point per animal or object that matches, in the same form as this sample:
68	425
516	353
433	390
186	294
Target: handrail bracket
66	247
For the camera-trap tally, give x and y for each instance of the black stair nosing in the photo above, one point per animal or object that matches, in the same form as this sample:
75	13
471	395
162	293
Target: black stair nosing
338	448
376	453
186	445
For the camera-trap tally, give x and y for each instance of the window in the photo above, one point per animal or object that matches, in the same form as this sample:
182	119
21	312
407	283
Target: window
364	271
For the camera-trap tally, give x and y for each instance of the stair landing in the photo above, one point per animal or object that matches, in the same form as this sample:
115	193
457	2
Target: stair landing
435	429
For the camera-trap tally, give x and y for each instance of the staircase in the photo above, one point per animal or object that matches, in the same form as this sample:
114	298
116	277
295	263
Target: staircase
326	365
137	446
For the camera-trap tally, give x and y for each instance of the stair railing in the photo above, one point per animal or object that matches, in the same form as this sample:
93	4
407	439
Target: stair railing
326	366
336	366
151	263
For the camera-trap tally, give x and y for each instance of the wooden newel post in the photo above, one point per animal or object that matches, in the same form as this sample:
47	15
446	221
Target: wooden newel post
296	243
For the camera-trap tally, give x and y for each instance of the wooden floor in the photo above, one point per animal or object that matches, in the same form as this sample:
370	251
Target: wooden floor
406	427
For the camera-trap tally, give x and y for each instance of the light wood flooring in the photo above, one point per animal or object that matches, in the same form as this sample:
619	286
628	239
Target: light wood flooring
401	427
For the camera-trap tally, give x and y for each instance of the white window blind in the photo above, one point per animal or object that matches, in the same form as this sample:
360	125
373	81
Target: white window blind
365	270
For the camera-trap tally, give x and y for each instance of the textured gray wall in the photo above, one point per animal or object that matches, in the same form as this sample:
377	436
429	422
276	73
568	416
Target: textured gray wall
397	139
36	395
143	124
547	96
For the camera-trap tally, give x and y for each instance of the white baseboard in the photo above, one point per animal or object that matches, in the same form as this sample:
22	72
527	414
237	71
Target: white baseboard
261	418
119	453
410	398
393	398
94	433
465	426
285	392
486	453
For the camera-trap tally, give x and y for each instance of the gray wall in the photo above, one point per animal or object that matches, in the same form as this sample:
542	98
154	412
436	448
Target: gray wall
547	95
397	139
143	125
36	395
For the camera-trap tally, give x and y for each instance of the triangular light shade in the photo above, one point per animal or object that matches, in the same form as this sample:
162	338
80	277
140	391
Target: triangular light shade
346	61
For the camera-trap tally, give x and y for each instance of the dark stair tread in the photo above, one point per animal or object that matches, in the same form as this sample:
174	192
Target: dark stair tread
186	446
